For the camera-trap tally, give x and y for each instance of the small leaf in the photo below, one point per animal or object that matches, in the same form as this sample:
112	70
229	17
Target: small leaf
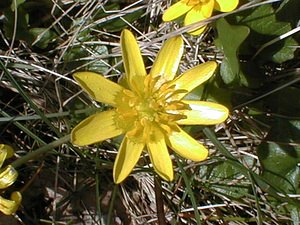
43	35
230	37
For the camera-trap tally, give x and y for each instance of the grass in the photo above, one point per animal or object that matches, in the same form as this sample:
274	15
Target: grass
40	103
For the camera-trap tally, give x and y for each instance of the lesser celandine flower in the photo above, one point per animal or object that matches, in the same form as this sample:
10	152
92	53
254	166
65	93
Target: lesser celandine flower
197	10
8	176
149	110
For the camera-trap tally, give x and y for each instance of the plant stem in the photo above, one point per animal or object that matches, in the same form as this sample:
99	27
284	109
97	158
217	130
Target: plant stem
159	201
40	151
111	205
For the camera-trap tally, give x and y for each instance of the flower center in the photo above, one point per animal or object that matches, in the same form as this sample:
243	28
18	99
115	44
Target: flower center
155	106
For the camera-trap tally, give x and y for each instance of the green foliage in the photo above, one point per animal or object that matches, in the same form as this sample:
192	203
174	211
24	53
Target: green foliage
279	156
71	36
42	36
20	32
229	39
265	27
225	179
280	166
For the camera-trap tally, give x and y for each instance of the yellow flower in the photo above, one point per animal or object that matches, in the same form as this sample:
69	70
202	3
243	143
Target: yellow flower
150	110
197	10
8	176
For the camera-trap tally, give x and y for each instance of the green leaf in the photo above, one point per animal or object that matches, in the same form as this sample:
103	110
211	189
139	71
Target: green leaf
230	37
81	57
285	102
99	66
43	35
15	4
280	165
265	27
219	177
20	32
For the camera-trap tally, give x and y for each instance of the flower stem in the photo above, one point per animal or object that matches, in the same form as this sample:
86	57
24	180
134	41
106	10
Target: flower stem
34	154
159	201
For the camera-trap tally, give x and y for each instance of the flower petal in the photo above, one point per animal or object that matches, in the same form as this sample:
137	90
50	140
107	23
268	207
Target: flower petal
194	77
197	14
8	149
8	176
186	146
9	207
159	155
3	153
128	155
167	62
133	62
225	5
98	87
207	8
96	128
175	11
203	113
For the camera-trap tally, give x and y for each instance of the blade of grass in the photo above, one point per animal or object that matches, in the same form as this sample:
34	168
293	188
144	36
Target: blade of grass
190	191
25	129
49	115
27	99
259	212
42	150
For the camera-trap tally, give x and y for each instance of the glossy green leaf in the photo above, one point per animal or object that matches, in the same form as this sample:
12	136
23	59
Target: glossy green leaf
230	37
280	165
265	26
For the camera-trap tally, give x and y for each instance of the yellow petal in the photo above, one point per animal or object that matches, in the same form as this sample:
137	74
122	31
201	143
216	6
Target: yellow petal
6	152
186	146
168	59
133	62
8	149
197	14
207	8
128	155
8	176
225	5
175	11
3	154
194	77
159	155
203	113
9	207
98	87
95	128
